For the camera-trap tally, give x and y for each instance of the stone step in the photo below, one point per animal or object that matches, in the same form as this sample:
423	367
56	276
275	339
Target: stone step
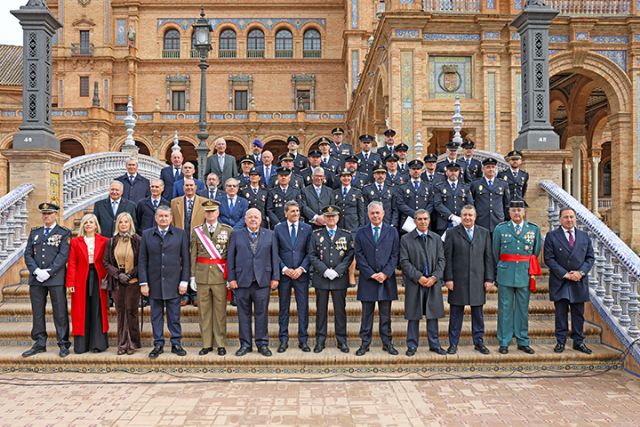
466	363
540	332
538	309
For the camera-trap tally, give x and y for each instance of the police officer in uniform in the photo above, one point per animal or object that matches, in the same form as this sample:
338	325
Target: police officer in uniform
280	194
452	157
256	195
389	145
339	148
491	196
449	196
46	256
331	252
515	177
394	176
516	246
368	160
358	179
246	164
349	200
430	175
401	151
209	279
328	160
413	195
299	161
286	162
473	166
380	191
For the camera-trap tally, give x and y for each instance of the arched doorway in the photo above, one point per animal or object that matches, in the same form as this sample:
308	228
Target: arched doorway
277	147
71	148
439	139
142	148
235	149
188	152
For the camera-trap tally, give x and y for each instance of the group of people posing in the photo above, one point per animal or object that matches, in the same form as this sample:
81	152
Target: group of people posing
255	227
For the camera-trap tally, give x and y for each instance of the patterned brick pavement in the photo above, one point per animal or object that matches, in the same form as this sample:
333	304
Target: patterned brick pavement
611	398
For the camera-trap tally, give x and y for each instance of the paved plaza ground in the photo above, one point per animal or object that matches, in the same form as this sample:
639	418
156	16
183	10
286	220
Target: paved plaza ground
611	398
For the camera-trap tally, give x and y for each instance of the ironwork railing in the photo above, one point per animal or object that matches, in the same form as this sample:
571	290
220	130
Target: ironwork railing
615	277
604	203
227	53
311	53
255	53
591	7
171	53
78	49
451	6
87	178
14	218
284	53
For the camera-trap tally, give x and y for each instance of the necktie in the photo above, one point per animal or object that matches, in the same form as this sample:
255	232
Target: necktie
114	208
221	162
515	174
453	187
430	178
392	176
212	195
426	259
318	190
267	173
331	233
211	229
470	233
131	178
231	204
518	229
468	163
293	234
176	174
572	240
379	187
254	236
490	183
47	230
366	157
189	208
376	234
163	233
155	205
344	192
255	191
416	185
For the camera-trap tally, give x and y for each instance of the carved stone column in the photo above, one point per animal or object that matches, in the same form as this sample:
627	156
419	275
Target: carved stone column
567	167
595	181
575	144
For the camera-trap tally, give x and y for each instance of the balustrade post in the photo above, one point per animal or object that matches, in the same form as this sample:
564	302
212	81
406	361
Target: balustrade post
593	276
3	236
625	290
634	308
607	299
616	277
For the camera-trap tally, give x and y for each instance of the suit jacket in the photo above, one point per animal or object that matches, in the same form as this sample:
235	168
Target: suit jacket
48	253
412	263
230	168
296	255
312	205
102	210
245	266
561	258
208	273
469	264
167	176
146	213
164	263
136	191
233	218
375	257
266	180
325	253
205	193
178	210
178	187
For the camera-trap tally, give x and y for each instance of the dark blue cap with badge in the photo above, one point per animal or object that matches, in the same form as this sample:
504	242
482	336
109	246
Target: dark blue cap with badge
379	169
330	210
346	171
514	155
466	144
452	145
284	171
314	153
352	159
402	147
47	207
337	131
517	204
391	158
366	138
286	157
254	171
415	164
293	138
452	166
324	141
490	161
389	132
430	158
247	159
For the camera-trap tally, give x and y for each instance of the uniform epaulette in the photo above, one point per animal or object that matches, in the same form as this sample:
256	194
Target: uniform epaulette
318	231
38	227
64	228
533	223
503	222
345	230
226	226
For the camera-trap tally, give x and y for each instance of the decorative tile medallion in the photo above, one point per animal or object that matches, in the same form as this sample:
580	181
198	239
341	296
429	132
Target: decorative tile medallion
450	76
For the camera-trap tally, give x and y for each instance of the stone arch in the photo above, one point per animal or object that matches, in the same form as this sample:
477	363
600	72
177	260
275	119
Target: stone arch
235	147
72	147
284	26
225	25
598	129
187	144
380	112
254	25
86	148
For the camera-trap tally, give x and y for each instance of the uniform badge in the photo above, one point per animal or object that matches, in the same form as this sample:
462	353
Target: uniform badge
372	193
526	247
275	197
444	191
341	253
321	239
341	244
408	191
246	195
35	238
222	237
479	187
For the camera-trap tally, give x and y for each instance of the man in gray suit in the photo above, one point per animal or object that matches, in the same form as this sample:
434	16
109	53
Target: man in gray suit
315	198
222	164
422	265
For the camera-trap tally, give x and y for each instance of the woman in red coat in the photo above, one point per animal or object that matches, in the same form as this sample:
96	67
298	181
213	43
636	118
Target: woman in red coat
89	322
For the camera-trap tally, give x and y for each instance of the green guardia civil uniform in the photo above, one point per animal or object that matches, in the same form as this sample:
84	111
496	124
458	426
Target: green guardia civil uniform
512	279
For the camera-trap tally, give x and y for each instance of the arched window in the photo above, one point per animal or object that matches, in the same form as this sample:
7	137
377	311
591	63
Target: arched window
228	44
312	44
255	44
284	44
171	45
606	179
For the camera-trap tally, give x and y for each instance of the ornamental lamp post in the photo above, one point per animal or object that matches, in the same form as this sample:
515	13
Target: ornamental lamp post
202	43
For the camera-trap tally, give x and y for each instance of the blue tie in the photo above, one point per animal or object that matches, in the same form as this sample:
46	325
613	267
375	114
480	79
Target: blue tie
189	208
490	183
517	228
293	235
254	236
416	185
344	193
155	205
114	208
318	191
176	174
47	230
453	187
470	233
331	233
231	204
211	195
163	233
426	259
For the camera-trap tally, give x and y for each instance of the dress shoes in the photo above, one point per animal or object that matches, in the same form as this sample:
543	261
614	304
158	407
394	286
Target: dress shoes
304	347
389	348
453	349
233	300
343	347
121	351
64	352
157	351
204	351
222	351
282	347
526	349
503	349
318	347
582	348
33	351
438	350
559	348
264	350
184	300
481	348
130	351
178	350
243	350
362	350
411	351
195	302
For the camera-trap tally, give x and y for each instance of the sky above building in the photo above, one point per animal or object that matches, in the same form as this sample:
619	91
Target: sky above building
10	30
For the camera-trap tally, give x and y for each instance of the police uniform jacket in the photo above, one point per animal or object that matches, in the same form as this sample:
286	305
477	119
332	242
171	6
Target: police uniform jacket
399	178
441	167
374	257
385	151
342	151
490	203
209	274
312	205
506	241
257	200
352	209
326	253
359	180
48	253
296	182
409	200
332	163
517	183
434	179
367	166
386	196
473	169
300	162
447	202
276	201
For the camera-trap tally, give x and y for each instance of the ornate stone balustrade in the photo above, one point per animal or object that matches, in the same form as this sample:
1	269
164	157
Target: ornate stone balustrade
591	7
452	6
87	178
13	226
615	277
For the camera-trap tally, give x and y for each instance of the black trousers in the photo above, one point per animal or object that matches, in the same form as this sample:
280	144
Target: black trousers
253	300
562	323
172	307
339	297
413	333
302	304
455	323
38	297
366	321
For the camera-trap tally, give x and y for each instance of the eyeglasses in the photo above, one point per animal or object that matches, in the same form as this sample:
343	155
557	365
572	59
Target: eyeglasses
230	185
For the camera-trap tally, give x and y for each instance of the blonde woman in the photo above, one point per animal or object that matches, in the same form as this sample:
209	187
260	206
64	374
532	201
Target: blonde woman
121	262
85	271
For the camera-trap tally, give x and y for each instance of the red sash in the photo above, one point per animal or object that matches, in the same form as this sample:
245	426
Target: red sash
534	266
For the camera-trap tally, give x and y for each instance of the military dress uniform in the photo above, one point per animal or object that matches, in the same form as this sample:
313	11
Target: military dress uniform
352	206
491	201
211	282
447	202
276	201
512	249
368	162
257	198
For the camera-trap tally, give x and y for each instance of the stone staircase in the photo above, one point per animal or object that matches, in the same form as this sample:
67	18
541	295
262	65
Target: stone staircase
15	326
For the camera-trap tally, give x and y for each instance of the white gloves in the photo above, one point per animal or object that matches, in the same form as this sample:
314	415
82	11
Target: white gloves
193	284
455	220
42	275
330	274
183	285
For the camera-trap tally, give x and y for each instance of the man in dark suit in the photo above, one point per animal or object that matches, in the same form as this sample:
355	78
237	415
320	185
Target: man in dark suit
469	273
146	208
377	248
430	176
300	162
413	195
452	157
106	210
46	256
316	197
330	179
358	179
256	152
189	171
164	271
328	159
281	193
224	165
568	253
171	174
256	195
253	267
292	238
473	167
267	168
211	192
232	206
135	186
517	178
422	264
331	253
394	176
